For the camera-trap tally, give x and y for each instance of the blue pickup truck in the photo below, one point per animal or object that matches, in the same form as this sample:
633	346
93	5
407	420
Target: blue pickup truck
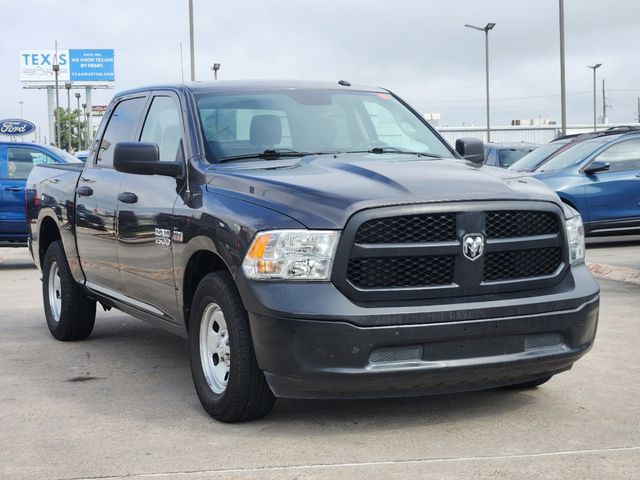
16	161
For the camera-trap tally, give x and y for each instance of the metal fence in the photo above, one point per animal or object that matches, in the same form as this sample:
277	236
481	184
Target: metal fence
530	134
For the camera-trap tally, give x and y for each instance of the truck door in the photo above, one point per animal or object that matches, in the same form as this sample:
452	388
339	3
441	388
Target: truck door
97	198
20	159
145	212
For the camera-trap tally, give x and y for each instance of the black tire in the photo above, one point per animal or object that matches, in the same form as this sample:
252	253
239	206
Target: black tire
76	314
529	385
246	395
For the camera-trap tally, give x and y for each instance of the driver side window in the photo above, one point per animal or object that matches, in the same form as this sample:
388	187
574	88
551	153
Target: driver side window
162	127
622	156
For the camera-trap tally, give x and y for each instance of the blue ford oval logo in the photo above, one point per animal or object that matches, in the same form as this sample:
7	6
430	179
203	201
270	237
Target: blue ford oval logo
15	127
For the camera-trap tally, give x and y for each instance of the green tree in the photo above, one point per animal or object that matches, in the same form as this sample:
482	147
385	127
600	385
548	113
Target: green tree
78	130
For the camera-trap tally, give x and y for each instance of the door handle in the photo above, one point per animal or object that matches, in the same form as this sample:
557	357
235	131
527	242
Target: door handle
638	175
14	189
127	197
84	191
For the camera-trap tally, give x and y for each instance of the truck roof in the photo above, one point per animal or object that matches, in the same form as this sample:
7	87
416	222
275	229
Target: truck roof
252	85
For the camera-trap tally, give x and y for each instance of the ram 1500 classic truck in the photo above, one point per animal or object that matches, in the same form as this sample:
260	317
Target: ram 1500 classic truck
311	240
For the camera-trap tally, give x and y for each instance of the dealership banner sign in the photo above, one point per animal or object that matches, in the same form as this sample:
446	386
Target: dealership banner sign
78	66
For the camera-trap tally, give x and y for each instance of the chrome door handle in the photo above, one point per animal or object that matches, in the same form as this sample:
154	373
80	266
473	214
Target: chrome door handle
127	197
14	189
84	191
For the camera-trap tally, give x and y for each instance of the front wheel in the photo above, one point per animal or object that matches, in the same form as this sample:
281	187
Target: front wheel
69	312
229	384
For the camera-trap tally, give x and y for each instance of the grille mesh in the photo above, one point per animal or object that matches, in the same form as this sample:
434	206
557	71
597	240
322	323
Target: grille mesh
435	227
520	223
397	272
516	264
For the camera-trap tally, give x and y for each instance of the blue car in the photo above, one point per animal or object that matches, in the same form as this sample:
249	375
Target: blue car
16	161
599	177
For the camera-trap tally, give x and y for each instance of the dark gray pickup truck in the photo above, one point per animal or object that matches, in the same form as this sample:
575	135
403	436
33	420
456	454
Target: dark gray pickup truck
311	240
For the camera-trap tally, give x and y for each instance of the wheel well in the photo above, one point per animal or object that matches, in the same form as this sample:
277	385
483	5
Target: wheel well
49	233
200	264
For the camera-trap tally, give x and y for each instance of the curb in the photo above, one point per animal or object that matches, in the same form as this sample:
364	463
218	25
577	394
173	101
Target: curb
610	272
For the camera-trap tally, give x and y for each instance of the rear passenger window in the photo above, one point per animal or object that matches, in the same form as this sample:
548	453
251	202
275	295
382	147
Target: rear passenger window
162	127
22	160
121	128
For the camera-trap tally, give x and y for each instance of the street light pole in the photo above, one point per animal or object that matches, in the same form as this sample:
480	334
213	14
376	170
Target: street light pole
594	68
78	126
56	71
86	120
563	88
486	29
192	42
215	68
67	85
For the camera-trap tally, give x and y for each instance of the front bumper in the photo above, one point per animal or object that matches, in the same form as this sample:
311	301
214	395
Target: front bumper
320	347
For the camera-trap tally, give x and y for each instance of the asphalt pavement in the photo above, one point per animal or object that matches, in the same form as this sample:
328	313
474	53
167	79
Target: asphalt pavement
122	405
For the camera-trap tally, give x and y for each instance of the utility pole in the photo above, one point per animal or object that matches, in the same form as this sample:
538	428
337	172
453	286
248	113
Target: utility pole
181	64
563	88
191	42
21	112
638	109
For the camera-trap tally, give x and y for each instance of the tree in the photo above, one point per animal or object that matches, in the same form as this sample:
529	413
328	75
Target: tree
78	130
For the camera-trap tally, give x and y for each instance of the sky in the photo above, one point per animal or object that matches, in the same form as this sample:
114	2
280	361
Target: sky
417	48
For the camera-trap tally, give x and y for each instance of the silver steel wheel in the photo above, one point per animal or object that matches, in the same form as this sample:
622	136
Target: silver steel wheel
215	354
55	292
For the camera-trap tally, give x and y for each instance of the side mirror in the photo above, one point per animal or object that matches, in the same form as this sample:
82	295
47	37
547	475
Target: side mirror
597	166
471	149
143	158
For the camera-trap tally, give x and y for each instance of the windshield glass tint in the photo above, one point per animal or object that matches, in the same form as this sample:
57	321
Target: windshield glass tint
531	160
573	155
509	157
310	121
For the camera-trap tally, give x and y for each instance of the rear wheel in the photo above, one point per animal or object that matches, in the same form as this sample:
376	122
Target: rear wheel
229	384
529	385
69	312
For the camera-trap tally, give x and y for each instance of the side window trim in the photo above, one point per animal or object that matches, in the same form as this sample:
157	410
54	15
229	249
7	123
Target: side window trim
114	106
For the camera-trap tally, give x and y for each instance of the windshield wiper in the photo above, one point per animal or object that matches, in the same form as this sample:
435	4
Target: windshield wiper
269	154
381	150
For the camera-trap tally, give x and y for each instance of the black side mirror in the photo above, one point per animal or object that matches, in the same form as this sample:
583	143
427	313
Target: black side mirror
471	149
597	166
143	158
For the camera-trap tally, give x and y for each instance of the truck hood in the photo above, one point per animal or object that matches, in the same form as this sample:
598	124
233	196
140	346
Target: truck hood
323	191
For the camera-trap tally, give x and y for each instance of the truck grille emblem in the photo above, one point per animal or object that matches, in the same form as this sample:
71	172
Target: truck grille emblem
473	246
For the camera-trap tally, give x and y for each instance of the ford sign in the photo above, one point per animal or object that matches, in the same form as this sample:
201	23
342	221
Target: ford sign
14	127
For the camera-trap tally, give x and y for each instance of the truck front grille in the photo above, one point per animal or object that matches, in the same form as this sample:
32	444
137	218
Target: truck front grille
408	228
518	264
509	224
412	253
399	272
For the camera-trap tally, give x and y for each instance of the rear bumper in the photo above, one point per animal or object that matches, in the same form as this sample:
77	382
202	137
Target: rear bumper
459	347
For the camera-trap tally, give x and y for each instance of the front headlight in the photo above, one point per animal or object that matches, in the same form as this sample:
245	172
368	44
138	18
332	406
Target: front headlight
575	238
291	255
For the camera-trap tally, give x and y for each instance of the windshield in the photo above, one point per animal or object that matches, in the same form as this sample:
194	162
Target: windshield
572	156
296	122
530	161
512	155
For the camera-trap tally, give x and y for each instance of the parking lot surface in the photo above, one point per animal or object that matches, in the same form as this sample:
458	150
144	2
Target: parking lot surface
122	405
